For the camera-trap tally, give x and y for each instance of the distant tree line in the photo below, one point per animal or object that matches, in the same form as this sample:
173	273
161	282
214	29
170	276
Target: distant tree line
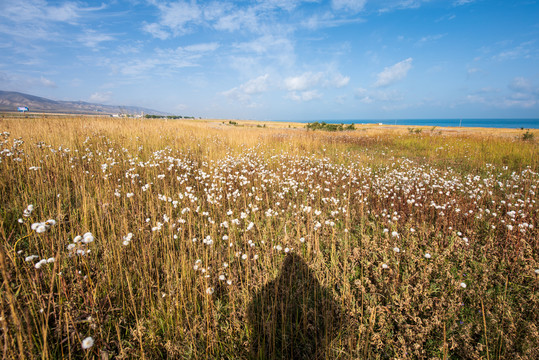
150	116
329	127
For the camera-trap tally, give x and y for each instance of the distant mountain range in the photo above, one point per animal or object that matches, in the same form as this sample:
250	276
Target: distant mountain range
10	100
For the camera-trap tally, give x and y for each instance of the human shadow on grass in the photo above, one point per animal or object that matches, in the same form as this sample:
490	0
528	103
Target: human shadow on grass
293	316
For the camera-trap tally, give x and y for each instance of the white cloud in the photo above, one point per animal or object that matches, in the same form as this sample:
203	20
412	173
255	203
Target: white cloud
23	82
167	59
521	84
302	82
338	81
100	97
462	2
349	5
178	15
202	47
328	20
92	39
393	73
237	20
36	19
156	31
385	96
390	5
27	10
363	96
257	53
179	18
244	92
304	95
523	95
429	39
256	86
523	51
47	82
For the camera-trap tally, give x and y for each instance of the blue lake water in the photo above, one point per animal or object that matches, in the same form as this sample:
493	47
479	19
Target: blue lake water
487	123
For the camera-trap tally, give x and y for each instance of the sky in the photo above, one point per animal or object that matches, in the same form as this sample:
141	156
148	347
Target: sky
279	59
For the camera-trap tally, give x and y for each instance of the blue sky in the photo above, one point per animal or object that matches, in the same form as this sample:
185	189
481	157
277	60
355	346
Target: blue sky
279	59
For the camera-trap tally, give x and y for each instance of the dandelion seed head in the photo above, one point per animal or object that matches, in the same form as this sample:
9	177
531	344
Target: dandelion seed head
463	285
209	291
40	263
87	343
396	249
384	266
427	256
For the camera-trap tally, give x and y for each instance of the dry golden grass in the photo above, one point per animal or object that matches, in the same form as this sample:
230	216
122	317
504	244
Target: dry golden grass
266	242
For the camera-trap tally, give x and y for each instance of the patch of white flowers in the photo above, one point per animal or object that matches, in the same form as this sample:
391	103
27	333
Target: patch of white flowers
41	227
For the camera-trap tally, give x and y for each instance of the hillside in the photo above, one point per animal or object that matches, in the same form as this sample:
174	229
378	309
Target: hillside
10	100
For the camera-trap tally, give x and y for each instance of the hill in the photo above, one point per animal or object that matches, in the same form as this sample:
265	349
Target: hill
10	100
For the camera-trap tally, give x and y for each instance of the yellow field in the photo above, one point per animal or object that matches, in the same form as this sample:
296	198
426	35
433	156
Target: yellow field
200	239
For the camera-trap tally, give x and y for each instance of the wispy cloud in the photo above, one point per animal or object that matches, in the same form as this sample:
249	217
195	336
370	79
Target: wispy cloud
366	96
24	82
100	97
337	80
525	50
92	38
349	5
302	82
37	19
46	82
462	2
175	19
429	39
245	91
166	59
304	95
392	5
393	73
523	94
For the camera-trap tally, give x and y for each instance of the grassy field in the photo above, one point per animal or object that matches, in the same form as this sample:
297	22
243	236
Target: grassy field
126	238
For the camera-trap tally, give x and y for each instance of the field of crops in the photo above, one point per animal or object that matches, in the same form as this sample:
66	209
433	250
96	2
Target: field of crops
124	238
